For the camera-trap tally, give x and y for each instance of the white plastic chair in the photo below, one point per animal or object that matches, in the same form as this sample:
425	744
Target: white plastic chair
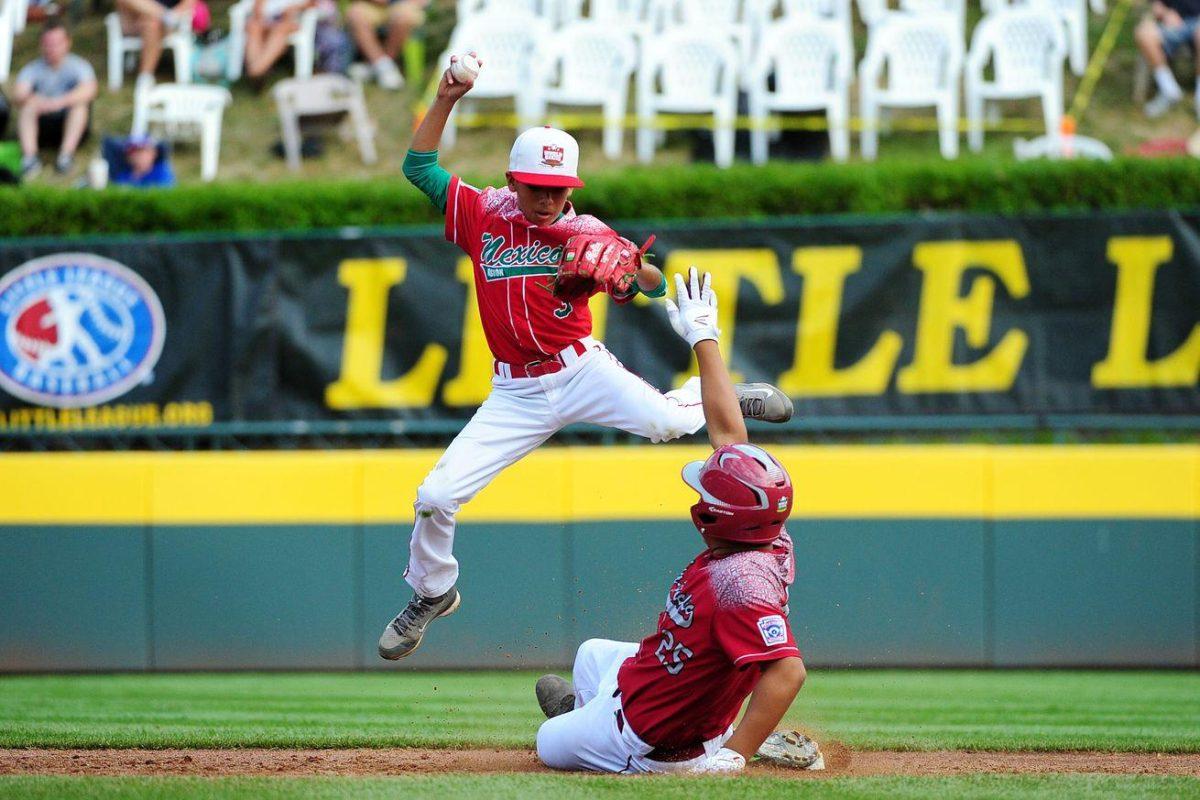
6	40
768	12
876	12
181	110
1074	15
473	8
588	63
690	71
507	45
303	41
923	58
180	43
1026	48
640	17
812	63
826	9
628	12
322	94
19	10
732	18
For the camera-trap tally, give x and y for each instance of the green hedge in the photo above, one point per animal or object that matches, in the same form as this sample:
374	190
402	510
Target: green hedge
635	193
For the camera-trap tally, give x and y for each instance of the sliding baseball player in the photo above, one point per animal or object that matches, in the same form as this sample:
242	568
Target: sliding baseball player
668	704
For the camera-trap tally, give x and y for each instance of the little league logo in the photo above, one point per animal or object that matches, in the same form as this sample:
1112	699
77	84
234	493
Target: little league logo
78	330
552	155
773	630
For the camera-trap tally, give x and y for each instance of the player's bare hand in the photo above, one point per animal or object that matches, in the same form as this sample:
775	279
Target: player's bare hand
451	88
693	313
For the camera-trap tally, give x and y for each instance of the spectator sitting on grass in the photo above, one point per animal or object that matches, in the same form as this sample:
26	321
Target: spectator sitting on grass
401	17
138	160
1170	25
152	20
55	93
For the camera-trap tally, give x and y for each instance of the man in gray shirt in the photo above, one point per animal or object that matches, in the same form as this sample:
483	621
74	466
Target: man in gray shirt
55	94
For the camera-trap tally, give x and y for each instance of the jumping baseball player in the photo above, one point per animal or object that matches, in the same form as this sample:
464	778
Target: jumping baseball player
536	264
668	704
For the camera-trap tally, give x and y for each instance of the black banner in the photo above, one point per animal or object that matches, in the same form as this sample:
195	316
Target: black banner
940	316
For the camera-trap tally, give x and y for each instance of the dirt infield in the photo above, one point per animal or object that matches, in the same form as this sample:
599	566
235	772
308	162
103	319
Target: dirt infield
840	762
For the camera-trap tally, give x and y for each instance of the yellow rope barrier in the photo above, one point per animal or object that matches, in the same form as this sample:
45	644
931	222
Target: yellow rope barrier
1100	56
671	122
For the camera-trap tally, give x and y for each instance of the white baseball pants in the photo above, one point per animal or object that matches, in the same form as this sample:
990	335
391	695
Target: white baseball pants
590	737
517	416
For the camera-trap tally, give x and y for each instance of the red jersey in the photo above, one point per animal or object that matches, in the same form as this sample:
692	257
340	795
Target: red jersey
514	261
725	615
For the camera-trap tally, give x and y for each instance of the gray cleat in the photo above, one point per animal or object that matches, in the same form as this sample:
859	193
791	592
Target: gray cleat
403	634
555	695
762	401
791	749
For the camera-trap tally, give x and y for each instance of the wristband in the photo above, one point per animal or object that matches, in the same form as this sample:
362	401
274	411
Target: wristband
659	291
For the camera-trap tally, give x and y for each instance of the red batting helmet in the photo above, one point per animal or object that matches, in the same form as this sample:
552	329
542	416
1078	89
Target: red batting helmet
745	494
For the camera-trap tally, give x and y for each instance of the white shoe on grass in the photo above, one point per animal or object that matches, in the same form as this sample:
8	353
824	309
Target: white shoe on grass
1160	105
387	74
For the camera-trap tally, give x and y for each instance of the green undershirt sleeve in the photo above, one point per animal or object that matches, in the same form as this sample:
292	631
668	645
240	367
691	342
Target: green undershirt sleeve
659	291
423	172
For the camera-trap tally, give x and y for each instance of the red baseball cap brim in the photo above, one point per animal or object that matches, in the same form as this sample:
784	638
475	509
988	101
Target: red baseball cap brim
541	179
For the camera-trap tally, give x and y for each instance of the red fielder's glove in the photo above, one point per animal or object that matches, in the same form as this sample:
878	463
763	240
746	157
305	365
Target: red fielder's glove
591	260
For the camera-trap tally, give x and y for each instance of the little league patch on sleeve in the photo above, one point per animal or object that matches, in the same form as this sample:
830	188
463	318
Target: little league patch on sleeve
773	630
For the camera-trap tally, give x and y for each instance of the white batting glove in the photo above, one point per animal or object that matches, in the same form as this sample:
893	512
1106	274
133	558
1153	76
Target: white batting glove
724	760
693	314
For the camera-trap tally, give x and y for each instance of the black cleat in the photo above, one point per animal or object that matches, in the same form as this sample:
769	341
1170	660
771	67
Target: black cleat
555	695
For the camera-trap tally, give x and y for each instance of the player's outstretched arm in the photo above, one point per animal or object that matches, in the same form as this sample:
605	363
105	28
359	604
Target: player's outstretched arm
772	697
693	315
421	162
449	92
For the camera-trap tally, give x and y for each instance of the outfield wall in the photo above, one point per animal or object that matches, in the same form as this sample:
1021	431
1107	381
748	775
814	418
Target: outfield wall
907	555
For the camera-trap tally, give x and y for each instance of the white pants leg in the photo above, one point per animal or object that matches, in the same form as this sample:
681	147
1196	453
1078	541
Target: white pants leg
604	393
515	418
594	660
590	737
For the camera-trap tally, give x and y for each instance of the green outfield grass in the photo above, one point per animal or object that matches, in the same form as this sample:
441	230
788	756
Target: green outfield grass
566	787
1122	711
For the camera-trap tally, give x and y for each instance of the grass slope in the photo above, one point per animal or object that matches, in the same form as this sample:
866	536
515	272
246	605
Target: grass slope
565	787
869	709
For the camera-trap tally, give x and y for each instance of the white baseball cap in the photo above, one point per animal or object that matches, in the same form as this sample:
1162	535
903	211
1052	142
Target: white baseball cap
545	157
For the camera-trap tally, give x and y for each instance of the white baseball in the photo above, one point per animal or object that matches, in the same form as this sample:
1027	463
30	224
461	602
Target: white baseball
465	68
